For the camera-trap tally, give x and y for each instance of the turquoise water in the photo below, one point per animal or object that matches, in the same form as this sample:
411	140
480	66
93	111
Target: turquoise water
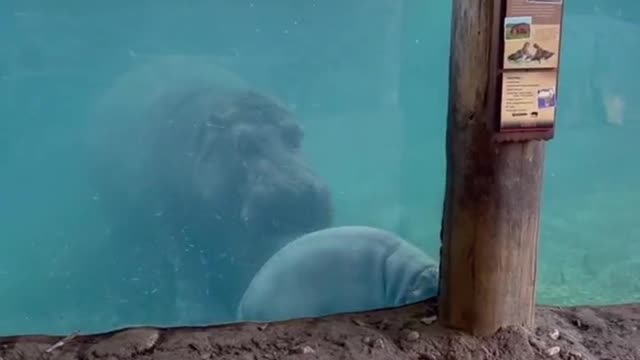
368	82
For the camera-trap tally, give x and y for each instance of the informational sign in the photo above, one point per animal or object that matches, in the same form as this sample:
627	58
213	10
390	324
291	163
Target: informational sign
529	99
531	32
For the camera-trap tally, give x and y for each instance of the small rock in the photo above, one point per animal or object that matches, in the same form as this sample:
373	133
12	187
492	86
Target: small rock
578	323
574	355
126	342
377	343
537	343
554	334
552	351
383	324
429	320
263	326
358	322
306	350
413	336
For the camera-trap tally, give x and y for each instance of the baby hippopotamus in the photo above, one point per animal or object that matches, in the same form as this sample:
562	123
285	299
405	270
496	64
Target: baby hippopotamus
338	270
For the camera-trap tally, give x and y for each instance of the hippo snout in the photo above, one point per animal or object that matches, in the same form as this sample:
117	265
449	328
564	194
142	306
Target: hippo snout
290	208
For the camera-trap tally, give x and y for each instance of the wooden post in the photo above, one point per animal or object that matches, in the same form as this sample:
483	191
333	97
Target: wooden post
492	202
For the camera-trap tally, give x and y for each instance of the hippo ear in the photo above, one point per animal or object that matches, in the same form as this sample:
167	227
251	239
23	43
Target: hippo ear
408	275
425	286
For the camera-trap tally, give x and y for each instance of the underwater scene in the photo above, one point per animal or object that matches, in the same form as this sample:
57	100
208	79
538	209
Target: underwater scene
173	163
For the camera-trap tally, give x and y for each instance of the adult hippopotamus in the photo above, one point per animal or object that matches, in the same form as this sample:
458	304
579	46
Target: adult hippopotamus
202	178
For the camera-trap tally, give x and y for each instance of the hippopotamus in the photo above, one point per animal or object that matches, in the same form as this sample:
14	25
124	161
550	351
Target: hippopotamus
338	270
200	172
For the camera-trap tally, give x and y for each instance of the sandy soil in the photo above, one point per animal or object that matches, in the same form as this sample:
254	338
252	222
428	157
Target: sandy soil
405	333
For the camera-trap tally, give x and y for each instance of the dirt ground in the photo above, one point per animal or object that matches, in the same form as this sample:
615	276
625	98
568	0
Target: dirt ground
405	333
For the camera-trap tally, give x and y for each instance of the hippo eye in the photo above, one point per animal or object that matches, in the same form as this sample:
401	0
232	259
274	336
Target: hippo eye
246	142
292	136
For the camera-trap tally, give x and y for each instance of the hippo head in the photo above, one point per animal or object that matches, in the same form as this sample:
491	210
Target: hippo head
410	276
423	286
246	171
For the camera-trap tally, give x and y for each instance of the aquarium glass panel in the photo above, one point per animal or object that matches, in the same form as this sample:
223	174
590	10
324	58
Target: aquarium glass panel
156	156
590	238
